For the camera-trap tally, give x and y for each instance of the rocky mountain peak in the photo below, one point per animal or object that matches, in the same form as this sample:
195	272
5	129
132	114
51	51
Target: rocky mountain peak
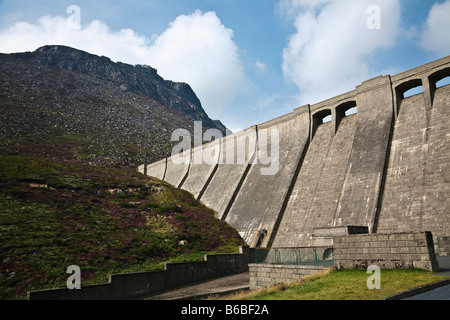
119	113
140	79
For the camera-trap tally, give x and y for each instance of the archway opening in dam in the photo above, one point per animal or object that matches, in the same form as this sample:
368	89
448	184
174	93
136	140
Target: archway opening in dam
443	82
406	90
320	118
440	78
351	111
326	119
413	91
345	109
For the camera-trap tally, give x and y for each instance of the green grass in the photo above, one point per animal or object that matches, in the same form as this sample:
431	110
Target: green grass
343	285
57	214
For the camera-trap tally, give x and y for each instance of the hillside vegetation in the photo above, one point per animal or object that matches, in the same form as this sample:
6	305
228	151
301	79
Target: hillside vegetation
74	127
55	214
343	285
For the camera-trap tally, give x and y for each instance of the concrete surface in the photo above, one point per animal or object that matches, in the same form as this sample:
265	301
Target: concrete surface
202	290
385	167
441	293
435	292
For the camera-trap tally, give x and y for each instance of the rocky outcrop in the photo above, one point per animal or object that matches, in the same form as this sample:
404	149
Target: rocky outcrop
60	102
139	79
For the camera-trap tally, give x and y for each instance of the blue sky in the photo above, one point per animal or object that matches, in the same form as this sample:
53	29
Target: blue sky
249	61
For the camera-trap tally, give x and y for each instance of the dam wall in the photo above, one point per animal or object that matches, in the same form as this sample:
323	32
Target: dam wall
417	191
204	162
253	213
373	157
235	160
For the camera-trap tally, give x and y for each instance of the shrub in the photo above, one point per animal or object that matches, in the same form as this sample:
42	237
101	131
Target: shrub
125	205
149	205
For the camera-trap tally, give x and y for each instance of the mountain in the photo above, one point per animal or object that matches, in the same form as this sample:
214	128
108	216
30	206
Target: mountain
73	129
104	220
62	103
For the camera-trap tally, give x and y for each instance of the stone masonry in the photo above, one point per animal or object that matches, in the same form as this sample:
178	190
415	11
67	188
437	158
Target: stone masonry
387	251
384	166
265	275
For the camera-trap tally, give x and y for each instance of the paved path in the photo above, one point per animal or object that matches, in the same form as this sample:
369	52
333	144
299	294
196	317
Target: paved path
223	285
444	266
441	293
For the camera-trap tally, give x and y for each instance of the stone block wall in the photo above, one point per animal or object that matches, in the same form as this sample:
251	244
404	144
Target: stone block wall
387	251
131	285
265	275
416	191
443	246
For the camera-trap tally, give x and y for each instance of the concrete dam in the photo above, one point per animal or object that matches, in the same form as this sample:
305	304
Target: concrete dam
380	164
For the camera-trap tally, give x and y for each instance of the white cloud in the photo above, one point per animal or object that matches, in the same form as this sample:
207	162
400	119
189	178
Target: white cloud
96	37
436	35
291	8
197	49
328	53
261	66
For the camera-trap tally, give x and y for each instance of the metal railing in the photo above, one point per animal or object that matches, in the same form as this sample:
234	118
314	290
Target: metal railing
295	256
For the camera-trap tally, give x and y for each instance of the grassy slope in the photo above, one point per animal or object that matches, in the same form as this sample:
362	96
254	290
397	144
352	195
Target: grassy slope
53	215
343	285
